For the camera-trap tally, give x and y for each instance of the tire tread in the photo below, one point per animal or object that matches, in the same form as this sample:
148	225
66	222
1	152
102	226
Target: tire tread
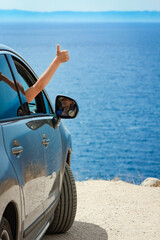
67	206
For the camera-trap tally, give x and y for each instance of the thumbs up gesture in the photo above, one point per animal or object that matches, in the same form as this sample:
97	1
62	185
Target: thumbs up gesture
62	56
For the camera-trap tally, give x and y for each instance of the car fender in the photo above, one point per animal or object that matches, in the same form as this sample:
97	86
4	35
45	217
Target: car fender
66	141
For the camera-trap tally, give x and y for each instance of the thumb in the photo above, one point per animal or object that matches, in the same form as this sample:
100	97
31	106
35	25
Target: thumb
58	48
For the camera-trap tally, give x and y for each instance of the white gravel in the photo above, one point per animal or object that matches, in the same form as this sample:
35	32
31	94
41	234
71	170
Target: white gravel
109	210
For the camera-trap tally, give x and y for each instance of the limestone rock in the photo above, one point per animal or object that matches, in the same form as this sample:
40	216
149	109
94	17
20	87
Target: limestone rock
151	182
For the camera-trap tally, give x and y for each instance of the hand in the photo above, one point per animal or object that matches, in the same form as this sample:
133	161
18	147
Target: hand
62	56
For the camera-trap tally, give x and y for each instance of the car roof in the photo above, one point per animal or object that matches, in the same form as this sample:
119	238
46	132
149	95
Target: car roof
6	48
10	50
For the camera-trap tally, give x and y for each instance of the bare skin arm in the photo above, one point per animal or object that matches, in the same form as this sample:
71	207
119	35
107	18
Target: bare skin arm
32	92
11	83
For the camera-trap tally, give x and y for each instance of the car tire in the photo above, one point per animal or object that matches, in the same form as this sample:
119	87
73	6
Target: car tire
66	209
5	230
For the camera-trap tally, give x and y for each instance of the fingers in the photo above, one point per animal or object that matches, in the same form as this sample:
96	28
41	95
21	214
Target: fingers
58	49
63	56
66	56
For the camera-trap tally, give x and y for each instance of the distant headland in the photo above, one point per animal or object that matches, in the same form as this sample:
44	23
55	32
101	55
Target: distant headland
69	16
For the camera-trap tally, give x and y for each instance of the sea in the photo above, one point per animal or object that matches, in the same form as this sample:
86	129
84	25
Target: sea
114	75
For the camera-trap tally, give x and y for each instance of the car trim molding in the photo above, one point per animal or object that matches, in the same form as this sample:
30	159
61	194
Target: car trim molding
40	218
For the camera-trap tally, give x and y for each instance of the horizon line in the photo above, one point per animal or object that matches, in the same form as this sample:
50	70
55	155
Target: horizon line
71	11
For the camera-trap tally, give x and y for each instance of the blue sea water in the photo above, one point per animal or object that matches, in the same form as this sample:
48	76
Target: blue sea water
114	74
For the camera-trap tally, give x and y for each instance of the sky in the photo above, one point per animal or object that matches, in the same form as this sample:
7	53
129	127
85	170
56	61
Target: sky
81	5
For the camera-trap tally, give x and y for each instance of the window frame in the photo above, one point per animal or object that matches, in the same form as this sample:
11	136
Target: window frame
35	78
28	78
3	53
9	59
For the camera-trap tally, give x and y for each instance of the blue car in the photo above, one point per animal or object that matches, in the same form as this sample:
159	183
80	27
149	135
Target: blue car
37	187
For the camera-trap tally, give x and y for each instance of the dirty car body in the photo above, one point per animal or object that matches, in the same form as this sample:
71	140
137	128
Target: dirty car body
34	148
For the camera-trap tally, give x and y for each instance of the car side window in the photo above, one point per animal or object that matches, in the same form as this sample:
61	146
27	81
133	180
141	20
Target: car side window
26	79
47	105
9	99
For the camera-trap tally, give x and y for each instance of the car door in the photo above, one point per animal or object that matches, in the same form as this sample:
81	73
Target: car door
51	138
53	160
23	145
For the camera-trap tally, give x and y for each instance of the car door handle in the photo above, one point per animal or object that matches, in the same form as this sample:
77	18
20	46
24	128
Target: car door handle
17	150
45	140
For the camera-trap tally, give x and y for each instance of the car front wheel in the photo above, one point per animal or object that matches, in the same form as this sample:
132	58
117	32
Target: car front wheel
5	230
67	206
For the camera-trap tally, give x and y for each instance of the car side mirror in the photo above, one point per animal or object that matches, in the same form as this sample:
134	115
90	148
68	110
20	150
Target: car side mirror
66	107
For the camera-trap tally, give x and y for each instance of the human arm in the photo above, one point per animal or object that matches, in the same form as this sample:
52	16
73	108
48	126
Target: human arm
61	57
11	83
